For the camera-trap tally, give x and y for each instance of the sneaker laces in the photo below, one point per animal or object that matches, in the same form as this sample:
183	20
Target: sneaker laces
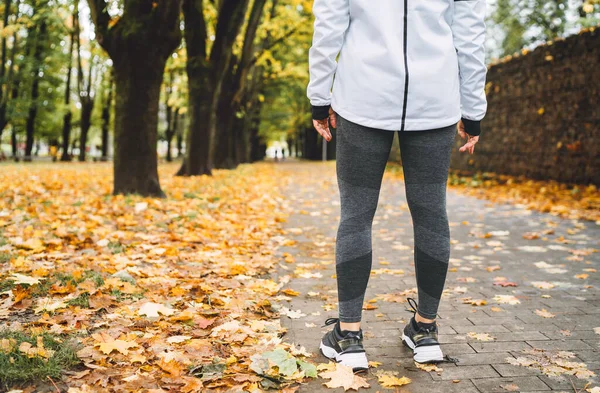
350	334
330	321
414	306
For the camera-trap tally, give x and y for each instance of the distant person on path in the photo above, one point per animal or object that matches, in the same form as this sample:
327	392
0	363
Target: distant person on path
408	66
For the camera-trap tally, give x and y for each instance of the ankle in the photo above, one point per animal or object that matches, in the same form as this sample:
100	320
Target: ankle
351	326
419	318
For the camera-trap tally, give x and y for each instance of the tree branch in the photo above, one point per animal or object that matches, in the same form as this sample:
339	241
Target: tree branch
101	19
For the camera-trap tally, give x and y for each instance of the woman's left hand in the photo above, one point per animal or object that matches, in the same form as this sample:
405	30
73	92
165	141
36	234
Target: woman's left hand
322	126
472	140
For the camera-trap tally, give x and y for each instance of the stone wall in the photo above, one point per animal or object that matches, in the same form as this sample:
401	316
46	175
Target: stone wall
543	118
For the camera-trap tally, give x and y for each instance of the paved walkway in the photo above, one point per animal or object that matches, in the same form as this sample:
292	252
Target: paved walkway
488	244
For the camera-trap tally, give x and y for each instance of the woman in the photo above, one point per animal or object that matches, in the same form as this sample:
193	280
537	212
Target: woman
412	66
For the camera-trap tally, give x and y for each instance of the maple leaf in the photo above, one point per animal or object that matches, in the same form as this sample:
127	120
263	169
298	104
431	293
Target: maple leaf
107	344
291	314
33	244
544	313
506	299
46	304
153	309
428	367
290	292
22	279
481	336
506	283
492	268
178	339
171	366
474	302
343	377
542	284
390	381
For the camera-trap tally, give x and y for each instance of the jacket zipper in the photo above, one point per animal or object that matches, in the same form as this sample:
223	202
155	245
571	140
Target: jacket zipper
405	64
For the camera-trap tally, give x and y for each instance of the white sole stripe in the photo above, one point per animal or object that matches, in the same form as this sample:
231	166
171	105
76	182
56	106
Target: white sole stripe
354	360
424	354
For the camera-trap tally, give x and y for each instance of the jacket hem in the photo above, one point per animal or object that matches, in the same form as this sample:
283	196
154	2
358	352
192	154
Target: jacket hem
396	125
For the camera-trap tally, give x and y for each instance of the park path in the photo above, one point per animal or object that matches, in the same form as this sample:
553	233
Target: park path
488	247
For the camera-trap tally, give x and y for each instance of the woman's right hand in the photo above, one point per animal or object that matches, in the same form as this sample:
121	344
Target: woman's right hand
322	126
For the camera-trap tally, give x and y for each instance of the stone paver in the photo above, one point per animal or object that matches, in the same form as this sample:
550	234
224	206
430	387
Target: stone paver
487	243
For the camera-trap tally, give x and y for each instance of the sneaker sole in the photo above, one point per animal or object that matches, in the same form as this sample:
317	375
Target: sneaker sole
358	361
424	354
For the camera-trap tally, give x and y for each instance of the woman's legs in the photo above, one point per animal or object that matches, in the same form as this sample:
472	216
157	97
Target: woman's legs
361	157
425	162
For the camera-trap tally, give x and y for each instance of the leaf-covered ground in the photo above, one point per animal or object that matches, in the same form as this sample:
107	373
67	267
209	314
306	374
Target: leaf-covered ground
168	294
103	293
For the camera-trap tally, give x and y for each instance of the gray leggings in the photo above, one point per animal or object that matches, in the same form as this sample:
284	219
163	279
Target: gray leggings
362	154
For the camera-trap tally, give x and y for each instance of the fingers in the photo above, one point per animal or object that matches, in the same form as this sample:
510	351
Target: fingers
332	118
461	130
470	145
322	128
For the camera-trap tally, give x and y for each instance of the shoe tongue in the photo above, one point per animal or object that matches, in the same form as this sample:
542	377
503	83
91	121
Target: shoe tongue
351	333
427	326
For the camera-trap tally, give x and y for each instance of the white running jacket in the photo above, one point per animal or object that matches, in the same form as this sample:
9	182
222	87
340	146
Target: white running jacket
403	65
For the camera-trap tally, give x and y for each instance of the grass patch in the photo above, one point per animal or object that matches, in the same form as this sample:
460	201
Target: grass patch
120	296
5	257
116	247
49	356
95	277
82	301
6	284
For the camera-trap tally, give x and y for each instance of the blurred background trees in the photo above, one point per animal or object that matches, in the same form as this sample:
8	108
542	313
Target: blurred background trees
211	83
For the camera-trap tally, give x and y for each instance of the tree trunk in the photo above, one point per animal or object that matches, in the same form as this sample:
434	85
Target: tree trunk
137	84
3	101
86	121
139	43
200	143
224	154
206	75
106	118
171	131
171	114
86	97
35	86
66	135
13	142
13	77
66	132
180	138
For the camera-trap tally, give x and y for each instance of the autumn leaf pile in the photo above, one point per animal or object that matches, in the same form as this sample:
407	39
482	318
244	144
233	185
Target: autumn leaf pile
548	196
166	294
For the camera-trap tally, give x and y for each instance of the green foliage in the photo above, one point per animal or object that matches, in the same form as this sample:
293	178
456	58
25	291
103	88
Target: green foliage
285	110
529	22
49	68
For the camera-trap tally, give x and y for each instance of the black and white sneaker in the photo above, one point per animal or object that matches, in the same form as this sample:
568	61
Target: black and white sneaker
422	338
345	347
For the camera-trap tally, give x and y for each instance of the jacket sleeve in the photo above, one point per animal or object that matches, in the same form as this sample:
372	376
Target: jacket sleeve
468	30
332	18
